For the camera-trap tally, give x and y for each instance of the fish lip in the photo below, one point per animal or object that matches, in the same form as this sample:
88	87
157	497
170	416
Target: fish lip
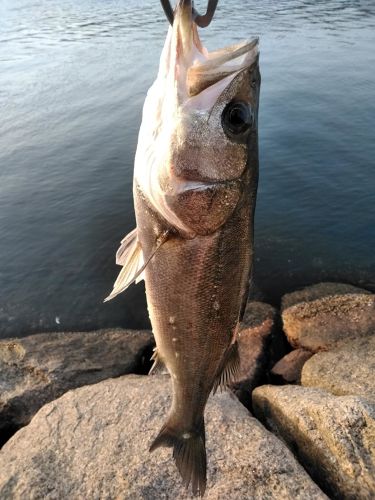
219	57
183	28
194	67
187	68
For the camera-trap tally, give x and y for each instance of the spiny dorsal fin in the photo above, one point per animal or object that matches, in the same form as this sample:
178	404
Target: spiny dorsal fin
228	369
130	256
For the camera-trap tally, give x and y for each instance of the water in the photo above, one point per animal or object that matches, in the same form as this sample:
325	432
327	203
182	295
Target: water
73	76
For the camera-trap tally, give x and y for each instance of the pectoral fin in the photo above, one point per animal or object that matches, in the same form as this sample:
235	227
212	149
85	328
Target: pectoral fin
130	257
129	245
229	368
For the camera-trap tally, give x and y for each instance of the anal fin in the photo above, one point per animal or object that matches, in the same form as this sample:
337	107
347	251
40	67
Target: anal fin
228	369
158	367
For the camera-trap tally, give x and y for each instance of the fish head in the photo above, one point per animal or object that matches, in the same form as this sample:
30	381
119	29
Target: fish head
199	128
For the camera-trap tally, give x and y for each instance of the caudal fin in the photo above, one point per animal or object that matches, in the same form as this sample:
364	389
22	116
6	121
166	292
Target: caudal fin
189	452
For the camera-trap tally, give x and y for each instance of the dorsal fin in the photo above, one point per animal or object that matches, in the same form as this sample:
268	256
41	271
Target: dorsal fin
130	257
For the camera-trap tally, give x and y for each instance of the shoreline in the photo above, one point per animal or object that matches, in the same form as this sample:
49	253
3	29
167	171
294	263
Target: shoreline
110	315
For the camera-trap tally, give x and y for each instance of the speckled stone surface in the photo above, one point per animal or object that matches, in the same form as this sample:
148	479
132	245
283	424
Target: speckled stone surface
332	436
347	369
254	337
93	442
37	369
318	317
289	368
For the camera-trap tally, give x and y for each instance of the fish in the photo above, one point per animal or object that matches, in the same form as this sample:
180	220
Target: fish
195	187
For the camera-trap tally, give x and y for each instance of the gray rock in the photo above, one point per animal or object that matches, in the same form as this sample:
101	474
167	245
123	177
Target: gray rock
332	436
322	315
347	369
37	369
254	337
92	443
289	368
259	317
319	291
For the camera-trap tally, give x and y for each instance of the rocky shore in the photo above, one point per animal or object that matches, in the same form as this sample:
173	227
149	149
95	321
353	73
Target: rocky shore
77	413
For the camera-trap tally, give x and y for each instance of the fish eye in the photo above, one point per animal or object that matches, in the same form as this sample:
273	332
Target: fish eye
237	118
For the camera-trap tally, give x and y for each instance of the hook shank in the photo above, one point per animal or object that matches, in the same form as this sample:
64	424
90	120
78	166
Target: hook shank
166	4
201	20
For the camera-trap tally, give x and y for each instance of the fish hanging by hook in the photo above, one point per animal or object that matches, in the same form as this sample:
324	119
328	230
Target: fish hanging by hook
195	182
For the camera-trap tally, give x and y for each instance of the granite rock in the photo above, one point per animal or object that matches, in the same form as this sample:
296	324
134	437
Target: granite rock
318	317
254	337
346	369
289	368
332	436
37	369
93	443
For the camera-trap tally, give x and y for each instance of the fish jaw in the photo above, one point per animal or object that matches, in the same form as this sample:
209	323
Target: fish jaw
182	144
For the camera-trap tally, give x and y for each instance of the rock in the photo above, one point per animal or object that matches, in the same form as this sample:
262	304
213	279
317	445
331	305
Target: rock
319	316
333	437
318	291
259	317
289	368
93	443
257	326
37	369
347	369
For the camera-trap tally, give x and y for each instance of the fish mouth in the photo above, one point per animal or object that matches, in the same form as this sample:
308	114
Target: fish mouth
195	68
220	65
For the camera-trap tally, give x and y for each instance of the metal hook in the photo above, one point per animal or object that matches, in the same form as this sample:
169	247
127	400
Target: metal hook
201	21
168	10
205	20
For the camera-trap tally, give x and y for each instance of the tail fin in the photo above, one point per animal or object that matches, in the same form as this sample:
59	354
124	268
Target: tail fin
189	452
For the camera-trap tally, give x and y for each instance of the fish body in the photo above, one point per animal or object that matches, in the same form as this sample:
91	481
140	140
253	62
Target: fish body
195	182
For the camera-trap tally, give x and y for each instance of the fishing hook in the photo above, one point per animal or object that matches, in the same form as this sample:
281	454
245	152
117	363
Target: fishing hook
201	21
